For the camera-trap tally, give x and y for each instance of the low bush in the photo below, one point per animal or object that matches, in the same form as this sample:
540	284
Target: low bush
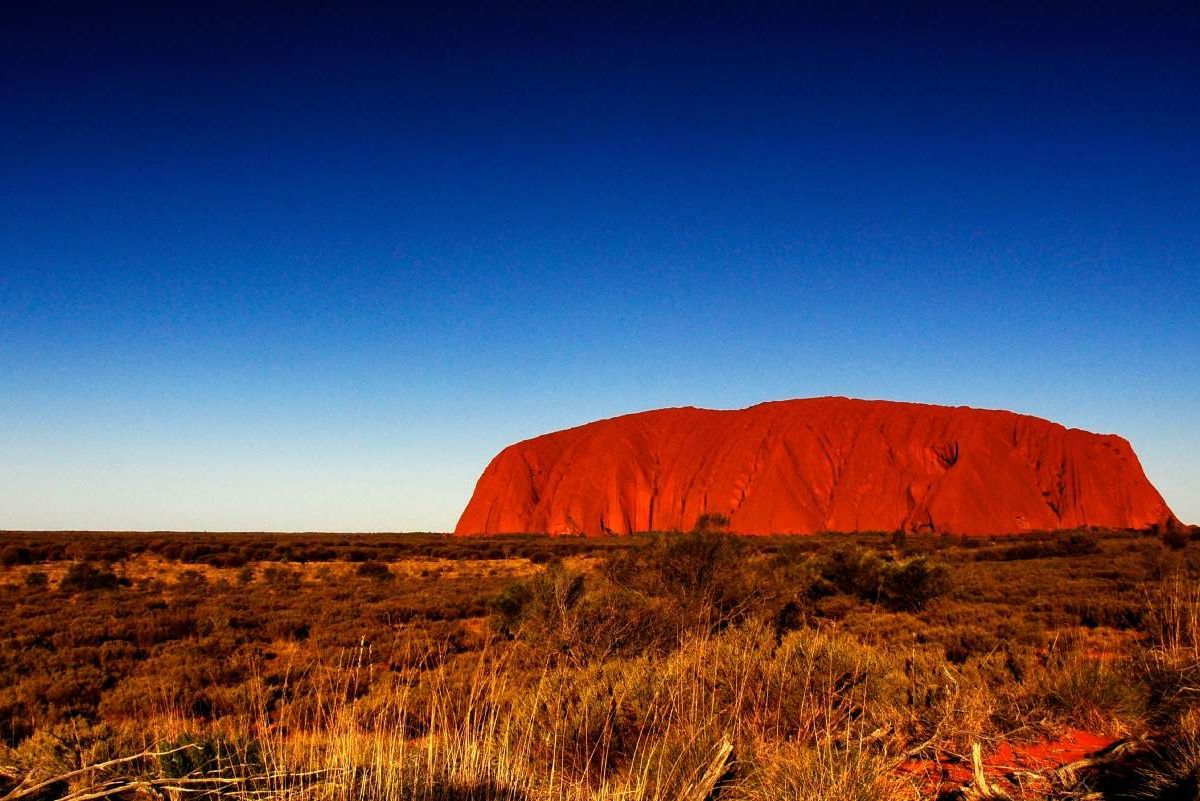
377	571
281	577
912	583
85	576
1091	693
12	555
706	575
901	585
1176	537
1057	546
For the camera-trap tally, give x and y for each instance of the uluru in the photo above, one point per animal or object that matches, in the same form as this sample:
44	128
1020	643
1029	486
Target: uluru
811	465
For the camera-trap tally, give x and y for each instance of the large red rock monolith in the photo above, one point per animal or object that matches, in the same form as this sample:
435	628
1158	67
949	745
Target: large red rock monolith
820	464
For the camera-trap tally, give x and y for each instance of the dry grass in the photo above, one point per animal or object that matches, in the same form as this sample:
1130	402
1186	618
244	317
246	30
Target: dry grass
763	678
1174	617
725	715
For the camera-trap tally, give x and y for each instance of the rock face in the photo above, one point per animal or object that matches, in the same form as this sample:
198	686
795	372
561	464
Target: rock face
821	464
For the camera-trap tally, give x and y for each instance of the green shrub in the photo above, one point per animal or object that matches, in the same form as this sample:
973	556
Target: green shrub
1075	544
85	576
1176	537
544	606
1079	545
711	522
15	555
850	570
281	577
191	578
209	754
902	585
910	584
1090	692
704	574
371	569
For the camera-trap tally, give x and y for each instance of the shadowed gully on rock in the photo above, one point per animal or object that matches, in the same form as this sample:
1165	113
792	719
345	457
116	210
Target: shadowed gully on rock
819	464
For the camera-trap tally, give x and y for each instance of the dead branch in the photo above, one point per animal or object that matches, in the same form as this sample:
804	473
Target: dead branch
24	791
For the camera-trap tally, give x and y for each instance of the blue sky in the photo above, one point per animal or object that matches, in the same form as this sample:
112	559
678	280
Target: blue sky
311	270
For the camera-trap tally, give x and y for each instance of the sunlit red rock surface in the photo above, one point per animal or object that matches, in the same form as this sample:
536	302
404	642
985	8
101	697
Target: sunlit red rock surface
820	464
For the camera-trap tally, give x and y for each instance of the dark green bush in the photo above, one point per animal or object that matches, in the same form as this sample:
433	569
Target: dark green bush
85	576
377	571
849	570
705	574
36	580
545	602
281	577
1076	544
910	584
1176	537
1079	545
189	756
191	578
711	522
562	614
509	607
904	585
15	555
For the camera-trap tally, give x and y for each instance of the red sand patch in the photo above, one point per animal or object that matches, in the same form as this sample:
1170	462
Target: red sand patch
1007	765
1073	746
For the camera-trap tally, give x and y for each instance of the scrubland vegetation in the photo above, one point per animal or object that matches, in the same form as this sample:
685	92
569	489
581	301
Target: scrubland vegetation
695	666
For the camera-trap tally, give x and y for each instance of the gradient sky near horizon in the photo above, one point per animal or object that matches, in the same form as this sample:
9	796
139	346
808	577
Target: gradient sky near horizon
310	269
